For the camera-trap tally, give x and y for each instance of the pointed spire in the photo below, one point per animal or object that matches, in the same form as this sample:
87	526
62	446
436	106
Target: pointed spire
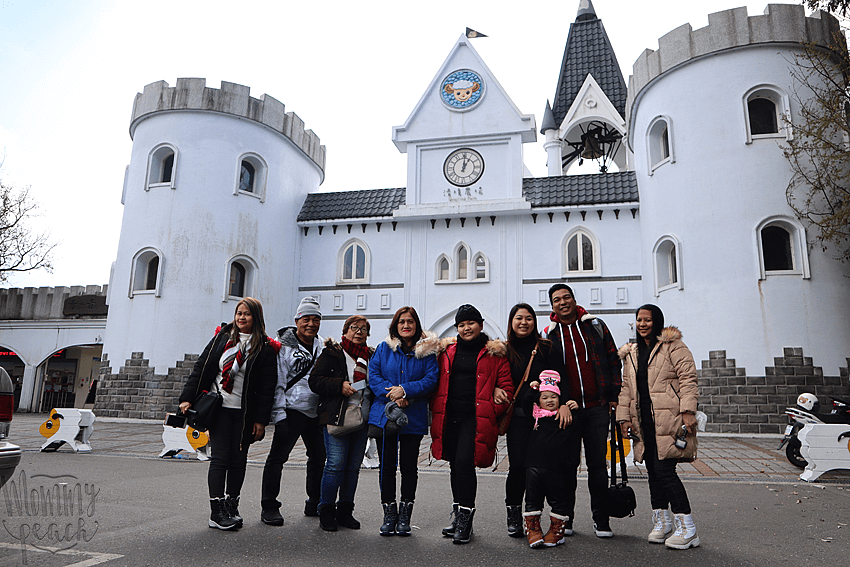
548	120
585	11
588	51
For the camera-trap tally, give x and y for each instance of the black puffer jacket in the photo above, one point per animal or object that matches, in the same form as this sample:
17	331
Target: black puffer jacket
326	378
260	380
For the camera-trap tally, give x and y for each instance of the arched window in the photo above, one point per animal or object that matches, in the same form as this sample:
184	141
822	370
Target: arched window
167	169
240	277
580	253
354	262
246	177
782	247
776	249
481	267
162	164
766	109
237	280
145	276
444	269
667	257
763	119
462	256
659	142
152	273
251	176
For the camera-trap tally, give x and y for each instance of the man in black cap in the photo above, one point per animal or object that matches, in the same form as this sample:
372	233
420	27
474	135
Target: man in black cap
585	355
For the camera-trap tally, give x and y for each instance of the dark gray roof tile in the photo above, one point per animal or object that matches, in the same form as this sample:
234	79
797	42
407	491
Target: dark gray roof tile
567	190
594	189
351	204
588	51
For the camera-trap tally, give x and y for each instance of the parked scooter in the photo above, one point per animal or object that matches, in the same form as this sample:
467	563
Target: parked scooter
808	411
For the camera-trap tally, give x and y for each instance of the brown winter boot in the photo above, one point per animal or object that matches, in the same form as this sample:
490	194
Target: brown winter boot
555	535
532	529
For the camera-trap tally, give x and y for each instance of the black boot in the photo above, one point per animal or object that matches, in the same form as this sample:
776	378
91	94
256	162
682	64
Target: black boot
388	528
405	510
344	517
449	531
463	530
311	508
231	504
219	518
515	521
327	517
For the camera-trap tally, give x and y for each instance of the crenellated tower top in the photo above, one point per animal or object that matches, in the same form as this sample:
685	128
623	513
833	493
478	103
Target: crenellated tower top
231	98
726	30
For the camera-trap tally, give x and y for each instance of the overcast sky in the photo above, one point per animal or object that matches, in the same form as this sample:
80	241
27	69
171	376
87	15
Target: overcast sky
351	70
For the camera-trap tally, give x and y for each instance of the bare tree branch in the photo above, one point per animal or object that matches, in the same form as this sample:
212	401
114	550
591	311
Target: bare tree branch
21	250
819	151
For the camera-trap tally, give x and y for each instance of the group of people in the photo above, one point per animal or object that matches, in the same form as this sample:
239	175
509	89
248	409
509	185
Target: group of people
553	392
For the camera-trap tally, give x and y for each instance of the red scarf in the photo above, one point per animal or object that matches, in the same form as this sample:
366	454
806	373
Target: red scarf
356	351
232	359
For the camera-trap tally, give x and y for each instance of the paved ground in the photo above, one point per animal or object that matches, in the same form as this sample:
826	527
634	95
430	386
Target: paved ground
720	457
136	509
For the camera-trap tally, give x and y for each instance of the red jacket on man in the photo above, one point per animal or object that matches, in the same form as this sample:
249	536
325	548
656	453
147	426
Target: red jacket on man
493	370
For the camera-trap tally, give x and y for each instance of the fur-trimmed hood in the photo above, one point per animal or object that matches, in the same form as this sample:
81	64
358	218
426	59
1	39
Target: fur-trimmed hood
668	335
495	347
427	345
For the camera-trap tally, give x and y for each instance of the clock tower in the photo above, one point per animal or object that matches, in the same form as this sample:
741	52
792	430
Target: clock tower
464	143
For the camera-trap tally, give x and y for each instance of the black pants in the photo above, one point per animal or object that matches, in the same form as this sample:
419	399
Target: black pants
227	462
398	451
459	451
519	433
591	426
665	486
286	433
549	484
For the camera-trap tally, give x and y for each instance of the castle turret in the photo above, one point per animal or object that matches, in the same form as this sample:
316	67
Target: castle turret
709	112
211	195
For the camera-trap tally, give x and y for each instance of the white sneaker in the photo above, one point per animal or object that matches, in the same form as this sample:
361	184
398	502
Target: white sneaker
685	535
602	528
662	525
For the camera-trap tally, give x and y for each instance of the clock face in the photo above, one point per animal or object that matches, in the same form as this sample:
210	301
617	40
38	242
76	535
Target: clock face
463	167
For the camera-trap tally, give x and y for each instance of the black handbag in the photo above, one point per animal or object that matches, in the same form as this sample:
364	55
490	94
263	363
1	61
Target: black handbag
203	412
621	496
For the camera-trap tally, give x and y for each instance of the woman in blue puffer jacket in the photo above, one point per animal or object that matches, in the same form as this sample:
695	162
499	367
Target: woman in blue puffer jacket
402	373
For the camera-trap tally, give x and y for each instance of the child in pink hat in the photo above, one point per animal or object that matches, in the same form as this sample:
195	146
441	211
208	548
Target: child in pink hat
545	463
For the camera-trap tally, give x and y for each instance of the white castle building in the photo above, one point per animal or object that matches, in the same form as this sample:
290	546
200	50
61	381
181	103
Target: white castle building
221	201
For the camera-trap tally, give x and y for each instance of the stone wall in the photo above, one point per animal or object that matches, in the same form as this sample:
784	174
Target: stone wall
41	303
136	392
737	403
733	401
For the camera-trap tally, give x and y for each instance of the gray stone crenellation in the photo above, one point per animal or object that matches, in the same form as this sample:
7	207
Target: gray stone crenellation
136	392
737	403
41	303
729	29
231	98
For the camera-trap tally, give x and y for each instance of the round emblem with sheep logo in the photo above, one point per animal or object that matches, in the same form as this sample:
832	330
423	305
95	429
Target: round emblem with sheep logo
462	89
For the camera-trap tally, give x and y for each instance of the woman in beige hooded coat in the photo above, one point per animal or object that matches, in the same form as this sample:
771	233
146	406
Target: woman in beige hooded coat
658	402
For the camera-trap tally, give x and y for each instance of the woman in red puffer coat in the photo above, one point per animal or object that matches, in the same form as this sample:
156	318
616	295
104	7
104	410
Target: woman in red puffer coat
474	389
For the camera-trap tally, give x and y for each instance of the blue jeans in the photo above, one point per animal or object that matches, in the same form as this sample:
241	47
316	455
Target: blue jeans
342	467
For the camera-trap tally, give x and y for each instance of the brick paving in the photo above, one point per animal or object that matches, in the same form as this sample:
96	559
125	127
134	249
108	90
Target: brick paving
721	456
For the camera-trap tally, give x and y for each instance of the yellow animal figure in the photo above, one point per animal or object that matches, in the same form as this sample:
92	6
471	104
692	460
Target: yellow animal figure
178	436
68	425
